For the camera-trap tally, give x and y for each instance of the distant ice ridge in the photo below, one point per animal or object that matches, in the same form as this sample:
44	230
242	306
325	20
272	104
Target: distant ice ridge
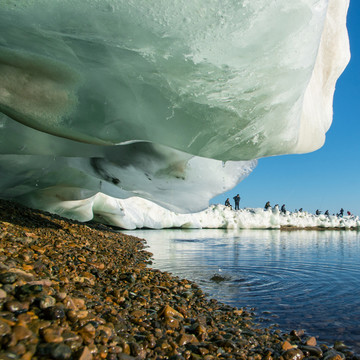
137	213
170	101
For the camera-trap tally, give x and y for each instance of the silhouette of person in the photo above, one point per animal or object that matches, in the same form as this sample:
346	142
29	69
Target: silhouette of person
237	201
227	202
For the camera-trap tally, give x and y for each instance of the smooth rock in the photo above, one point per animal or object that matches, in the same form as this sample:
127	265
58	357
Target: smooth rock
53	335
292	354
60	352
8	277
86	354
286	345
3	294
55	312
88	333
5	328
21	332
168	311
17	306
186	339
311	341
46	302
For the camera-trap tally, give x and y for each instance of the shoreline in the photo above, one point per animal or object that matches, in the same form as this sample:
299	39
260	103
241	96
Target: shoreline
316	228
71	290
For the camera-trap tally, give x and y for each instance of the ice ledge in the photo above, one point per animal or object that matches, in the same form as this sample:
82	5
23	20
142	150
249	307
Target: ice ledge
137	213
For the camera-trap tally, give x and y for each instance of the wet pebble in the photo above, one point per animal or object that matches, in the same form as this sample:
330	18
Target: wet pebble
88	333
21	332
5	328
53	334
311	351
292	354
8	277
54	312
17	306
3	295
46	302
60	352
311	341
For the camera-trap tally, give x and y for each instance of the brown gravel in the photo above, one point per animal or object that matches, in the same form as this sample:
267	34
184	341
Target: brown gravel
83	291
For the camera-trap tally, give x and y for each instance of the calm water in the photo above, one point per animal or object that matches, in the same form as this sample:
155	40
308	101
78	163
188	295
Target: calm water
299	280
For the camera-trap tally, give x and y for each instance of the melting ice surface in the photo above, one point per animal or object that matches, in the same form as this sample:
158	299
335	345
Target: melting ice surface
101	101
134	213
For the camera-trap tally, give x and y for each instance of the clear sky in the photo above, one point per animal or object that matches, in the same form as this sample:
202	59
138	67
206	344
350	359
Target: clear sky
326	179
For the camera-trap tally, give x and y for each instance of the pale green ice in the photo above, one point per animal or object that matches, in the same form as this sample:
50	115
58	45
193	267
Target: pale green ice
164	100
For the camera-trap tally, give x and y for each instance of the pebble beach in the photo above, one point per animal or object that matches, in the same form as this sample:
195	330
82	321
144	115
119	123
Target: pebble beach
72	290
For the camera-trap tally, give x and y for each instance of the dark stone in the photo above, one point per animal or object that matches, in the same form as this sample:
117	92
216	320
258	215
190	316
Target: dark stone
8	278
43	350
333	355
21	292
54	313
8	288
60	352
311	350
130	278
36	288
218	278
94	323
193	348
123	356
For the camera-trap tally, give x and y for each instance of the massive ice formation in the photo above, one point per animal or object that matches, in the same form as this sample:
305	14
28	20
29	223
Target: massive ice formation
136	213
168	101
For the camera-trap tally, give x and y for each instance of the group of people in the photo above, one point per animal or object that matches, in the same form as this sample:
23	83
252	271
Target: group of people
236	200
317	212
282	209
267	205
339	214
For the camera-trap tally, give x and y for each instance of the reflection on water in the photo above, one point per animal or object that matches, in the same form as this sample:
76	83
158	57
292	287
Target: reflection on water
300	280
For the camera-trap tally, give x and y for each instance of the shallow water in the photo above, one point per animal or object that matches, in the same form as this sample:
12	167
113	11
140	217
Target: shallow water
299	280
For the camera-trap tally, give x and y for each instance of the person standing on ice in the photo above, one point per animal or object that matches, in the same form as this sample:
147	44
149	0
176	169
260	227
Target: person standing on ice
237	201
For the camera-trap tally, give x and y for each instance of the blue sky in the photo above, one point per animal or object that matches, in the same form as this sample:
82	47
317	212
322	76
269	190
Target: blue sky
328	178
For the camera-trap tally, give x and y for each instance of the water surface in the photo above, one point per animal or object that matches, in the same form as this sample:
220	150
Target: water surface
299	280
